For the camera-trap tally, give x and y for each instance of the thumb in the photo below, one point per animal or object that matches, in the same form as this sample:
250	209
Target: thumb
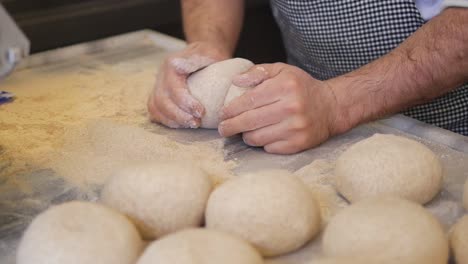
190	64
257	74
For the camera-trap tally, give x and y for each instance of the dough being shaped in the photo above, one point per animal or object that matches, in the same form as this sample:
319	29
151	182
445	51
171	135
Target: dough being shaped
273	210
200	246
388	165
389	228
80	232
459	240
465	195
212	84
159	198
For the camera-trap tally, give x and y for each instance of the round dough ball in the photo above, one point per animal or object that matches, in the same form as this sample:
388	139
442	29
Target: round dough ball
459	240
388	165
350	260
159	198
465	196
273	210
390	228
212	84
79	232
200	246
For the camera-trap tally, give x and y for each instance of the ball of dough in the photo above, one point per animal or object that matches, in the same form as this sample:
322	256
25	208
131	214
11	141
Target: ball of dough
79	232
200	246
388	165
390	228
159	198
273	210
465	195
459	240
350	260
212	84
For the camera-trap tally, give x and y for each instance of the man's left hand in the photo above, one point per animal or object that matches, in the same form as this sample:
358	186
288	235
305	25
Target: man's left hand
286	112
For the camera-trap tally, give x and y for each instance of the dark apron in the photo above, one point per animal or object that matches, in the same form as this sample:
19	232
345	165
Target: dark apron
328	38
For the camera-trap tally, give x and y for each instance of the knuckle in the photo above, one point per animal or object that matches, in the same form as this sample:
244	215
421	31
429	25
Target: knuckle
294	107
292	84
299	124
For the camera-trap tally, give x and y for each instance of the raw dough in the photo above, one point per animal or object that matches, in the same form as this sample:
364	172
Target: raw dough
80	232
160	198
465	195
200	246
213	84
273	210
319	176
388	227
349	260
459	240
390	165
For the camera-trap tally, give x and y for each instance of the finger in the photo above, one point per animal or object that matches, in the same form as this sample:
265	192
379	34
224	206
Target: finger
265	135
192	63
257	74
170	110
281	147
156	117
253	77
266	93
181	96
253	119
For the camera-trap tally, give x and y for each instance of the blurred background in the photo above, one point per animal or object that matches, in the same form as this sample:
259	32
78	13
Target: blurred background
51	24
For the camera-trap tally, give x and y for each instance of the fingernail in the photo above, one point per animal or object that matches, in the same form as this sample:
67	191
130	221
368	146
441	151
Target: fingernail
197	113
221	128
193	124
243	76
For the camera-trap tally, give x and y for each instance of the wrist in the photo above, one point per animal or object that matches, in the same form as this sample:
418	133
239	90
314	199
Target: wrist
344	114
210	49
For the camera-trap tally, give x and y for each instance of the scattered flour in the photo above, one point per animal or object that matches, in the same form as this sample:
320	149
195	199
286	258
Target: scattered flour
318	176
91	153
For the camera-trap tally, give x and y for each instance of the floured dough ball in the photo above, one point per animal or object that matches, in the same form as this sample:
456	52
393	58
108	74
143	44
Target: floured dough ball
80	232
389	228
459	240
200	246
388	165
465	196
350	260
159	198
212	84
273	210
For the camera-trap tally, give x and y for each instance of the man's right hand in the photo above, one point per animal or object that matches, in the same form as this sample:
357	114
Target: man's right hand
170	103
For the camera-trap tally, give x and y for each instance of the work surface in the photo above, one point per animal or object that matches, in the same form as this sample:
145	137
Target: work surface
81	111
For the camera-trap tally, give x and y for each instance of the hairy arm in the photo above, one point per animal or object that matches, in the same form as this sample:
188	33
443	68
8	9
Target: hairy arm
430	63
217	23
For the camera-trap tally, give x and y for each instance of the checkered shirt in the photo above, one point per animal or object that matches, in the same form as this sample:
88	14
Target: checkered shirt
328	38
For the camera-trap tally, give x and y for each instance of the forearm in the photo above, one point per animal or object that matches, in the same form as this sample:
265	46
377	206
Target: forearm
215	22
431	62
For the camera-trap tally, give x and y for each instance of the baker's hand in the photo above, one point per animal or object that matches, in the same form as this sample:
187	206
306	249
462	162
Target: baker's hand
287	111
170	102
